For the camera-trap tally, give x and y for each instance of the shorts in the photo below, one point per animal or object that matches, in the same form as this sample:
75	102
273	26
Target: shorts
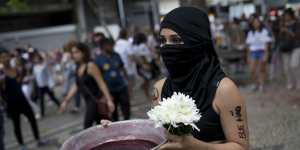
257	55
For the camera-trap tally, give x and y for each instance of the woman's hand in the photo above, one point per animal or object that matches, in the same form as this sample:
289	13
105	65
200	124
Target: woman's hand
111	105
63	107
179	142
67	98
105	123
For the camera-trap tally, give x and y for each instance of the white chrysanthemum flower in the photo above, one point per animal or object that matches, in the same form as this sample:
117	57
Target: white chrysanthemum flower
175	110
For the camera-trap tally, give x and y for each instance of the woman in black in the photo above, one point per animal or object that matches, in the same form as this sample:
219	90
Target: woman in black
90	84
15	100
188	53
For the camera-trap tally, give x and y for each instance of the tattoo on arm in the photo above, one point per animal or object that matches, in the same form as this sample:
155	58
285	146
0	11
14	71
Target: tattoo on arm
241	131
155	94
237	113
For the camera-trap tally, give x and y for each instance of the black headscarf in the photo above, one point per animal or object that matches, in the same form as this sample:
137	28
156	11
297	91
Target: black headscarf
193	67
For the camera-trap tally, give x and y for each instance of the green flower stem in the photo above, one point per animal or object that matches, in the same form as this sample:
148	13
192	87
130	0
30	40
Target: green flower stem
181	130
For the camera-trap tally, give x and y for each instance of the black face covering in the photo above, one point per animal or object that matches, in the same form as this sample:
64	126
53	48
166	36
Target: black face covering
196	58
193	67
180	59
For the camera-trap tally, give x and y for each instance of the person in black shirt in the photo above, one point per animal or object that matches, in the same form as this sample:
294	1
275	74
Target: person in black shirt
288	42
90	84
16	103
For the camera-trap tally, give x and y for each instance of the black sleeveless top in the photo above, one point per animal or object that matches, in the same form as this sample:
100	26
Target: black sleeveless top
209	124
88	86
13	94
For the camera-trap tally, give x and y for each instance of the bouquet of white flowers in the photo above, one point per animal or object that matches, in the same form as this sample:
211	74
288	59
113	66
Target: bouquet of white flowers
177	114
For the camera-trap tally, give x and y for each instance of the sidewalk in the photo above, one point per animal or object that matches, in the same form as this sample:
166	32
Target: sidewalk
273	116
56	127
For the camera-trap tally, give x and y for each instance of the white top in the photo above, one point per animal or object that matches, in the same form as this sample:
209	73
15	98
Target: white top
142	51
257	40
124	49
41	74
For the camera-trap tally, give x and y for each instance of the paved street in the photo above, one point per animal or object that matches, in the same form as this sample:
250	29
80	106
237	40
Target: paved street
274	120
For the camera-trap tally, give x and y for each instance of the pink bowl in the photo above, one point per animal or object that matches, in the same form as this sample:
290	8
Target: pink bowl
119	131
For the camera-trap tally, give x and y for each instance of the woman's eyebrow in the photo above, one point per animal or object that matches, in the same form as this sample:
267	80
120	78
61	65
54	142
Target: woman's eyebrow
175	36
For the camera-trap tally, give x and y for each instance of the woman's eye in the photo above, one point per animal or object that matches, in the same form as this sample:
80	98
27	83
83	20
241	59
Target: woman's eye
162	40
176	40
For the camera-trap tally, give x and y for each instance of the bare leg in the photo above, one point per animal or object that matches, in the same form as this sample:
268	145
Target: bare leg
253	68
262	74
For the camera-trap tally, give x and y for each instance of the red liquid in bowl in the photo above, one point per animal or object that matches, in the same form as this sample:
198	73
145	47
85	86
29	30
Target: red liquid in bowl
126	145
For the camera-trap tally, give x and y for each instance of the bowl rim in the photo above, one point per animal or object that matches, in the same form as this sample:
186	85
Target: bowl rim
66	142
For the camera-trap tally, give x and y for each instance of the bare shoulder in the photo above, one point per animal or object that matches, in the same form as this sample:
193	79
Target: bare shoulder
227	95
227	86
92	67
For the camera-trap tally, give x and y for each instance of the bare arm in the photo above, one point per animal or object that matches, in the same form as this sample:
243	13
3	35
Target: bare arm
67	99
267	52
71	93
96	74
232	110
156	93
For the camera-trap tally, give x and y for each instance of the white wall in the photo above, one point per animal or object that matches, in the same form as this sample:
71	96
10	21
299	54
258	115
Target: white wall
43	39
166	6
238	10
223	2
114	29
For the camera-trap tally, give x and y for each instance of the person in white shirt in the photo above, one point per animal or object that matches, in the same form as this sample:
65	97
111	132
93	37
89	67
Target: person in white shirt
25	68
124	48
258	39
143	57
42	76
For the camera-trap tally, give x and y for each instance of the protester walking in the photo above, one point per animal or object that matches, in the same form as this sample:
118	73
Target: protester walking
258	40
115	76
124	48
17	105
91	85
289	47
43	77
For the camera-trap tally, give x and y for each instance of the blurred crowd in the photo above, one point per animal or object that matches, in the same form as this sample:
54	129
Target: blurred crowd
90	71
270	44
